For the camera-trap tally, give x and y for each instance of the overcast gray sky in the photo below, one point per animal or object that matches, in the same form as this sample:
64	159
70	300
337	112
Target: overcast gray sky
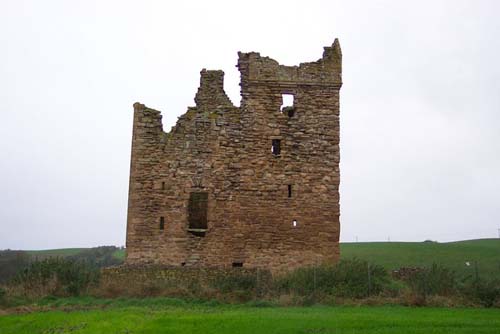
420	106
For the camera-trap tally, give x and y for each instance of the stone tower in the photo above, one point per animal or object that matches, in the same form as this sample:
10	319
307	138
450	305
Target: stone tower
254	186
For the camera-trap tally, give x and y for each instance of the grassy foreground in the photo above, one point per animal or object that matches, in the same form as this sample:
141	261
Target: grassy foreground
163	316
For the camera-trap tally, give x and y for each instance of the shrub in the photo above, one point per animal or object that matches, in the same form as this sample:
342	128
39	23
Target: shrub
488	292
436	280
351	278
3	293
56	276
481	291
235	281
11	262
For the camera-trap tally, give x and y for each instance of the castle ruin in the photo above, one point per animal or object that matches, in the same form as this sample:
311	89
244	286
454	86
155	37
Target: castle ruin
253	186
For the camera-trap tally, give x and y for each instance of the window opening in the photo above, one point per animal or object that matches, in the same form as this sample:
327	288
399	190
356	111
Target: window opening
294	223
162	223
276	146
163	185
289	191
198	213
287	106
237	264
287	100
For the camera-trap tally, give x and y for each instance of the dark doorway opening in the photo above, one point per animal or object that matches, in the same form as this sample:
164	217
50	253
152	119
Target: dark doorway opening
198	213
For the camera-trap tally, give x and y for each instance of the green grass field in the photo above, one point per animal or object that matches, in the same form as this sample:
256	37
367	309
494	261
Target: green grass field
162	315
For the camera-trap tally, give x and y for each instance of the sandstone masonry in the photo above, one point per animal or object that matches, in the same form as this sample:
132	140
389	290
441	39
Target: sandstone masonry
255	186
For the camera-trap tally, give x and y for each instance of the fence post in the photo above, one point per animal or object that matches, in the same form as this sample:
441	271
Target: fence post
314	291
369	281
476	271
257	285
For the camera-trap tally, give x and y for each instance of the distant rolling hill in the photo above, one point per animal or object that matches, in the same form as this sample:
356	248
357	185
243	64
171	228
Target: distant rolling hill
393	255
55	252
63	252
454	255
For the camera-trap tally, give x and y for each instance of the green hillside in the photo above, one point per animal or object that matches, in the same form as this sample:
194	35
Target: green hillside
62	252
55	252
454	255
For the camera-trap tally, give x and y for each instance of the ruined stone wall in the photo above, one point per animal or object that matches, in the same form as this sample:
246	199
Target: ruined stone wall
139	280
225	151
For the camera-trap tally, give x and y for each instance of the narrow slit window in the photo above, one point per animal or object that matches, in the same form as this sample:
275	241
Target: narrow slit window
162	223
237	264
294	223
289	191
163	185
276	146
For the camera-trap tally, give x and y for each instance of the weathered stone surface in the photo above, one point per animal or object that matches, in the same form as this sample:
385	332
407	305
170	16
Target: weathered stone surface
138	279
254	195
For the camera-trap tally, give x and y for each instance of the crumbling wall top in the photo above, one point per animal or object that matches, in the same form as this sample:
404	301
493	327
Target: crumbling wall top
256	69
211	91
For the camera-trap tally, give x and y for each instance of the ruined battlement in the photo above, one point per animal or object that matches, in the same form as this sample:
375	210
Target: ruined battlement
326	71
253	186
211	93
